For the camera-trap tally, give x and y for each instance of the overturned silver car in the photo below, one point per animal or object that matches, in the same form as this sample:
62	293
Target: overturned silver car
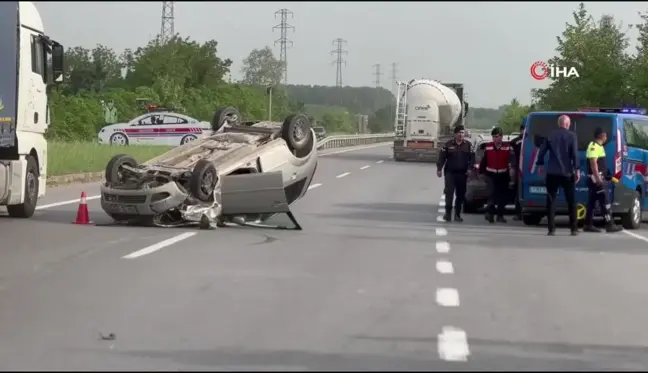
244	172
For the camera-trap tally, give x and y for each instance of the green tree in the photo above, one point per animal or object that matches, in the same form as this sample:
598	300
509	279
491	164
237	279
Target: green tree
597	51
512	116
261	68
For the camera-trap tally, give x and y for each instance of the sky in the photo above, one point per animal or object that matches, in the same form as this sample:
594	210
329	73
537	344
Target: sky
488	46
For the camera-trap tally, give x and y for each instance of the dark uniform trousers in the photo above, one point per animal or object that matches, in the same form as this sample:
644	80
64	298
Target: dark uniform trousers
498	190
598	193
554	182
455	184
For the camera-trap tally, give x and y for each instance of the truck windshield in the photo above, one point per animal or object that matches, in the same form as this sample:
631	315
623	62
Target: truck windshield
540	126
8	71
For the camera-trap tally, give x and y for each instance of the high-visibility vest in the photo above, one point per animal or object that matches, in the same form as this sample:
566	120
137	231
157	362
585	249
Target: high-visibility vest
497	160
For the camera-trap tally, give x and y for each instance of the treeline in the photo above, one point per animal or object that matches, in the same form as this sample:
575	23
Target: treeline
610	75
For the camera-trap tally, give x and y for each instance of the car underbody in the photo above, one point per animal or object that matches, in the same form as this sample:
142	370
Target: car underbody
242	174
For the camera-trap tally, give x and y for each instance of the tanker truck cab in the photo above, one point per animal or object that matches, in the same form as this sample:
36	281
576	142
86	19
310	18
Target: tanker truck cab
626	153
25	76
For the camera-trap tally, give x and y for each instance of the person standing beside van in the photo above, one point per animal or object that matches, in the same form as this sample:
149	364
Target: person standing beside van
597	185
562	171
498	164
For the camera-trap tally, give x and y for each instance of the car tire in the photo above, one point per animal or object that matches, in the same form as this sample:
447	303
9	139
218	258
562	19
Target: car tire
114	136
113	168
188	138
223	114
296	132
632	218
28	207
532	219
203	180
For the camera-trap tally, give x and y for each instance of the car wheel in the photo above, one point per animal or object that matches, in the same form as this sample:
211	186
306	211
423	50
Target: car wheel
203	180
27	208
188	138
225	114
118	139
114	168
531	219
632	218
296	132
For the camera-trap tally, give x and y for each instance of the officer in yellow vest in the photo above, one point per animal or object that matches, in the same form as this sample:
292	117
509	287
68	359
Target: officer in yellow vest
597	183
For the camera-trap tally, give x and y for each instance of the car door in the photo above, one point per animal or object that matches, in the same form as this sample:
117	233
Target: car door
175	128
145	130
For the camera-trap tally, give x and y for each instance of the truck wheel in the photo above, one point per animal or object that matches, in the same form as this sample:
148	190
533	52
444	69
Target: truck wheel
632	218
296	132
531	219
27	208
225	114
114	170
203	180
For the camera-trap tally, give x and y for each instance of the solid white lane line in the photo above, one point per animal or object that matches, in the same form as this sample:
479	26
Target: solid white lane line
56	204
635	235
447	297
379	161
453	344
442	247
160	245
343	175
441	232
364	167
444	267
313	186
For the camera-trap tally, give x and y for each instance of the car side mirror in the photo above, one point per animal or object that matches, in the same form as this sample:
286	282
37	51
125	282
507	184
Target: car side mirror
58	53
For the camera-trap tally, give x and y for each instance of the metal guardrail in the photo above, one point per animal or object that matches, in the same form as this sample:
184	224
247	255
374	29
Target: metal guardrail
341	141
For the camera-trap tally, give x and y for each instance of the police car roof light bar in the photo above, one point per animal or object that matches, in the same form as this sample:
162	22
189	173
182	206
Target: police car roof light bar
639	111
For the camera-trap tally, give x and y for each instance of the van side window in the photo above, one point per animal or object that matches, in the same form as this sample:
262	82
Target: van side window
38	65
636	132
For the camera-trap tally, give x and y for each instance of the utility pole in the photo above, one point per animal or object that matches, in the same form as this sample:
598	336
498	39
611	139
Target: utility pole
377	74
392	108
283	41
167	31
339	52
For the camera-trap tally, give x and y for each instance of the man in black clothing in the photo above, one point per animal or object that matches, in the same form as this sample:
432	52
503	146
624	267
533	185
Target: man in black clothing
516	143
563	171
455	160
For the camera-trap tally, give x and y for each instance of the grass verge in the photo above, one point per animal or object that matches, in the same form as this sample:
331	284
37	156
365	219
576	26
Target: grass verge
76	157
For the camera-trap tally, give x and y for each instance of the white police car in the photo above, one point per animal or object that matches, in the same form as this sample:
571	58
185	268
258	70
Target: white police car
155	128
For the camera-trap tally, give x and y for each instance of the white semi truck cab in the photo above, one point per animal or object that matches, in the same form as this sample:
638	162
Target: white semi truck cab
25	75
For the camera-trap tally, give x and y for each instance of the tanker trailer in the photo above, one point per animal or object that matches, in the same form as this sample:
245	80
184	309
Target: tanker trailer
426	112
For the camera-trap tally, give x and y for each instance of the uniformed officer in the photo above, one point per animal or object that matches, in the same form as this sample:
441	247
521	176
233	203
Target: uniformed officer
597	183
456	159
498	164
516	143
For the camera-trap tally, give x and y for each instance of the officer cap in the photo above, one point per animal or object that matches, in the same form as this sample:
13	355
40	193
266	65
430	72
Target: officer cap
459	128
496	131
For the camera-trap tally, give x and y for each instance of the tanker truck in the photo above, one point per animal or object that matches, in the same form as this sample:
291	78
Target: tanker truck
426	113
25	76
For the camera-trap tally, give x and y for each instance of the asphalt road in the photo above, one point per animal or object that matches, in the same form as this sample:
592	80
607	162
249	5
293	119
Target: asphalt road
373	282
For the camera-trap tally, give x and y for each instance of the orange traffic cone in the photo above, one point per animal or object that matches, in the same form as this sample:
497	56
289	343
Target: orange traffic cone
83	217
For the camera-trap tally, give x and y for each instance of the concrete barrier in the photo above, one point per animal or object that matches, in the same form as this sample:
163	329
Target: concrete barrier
341	141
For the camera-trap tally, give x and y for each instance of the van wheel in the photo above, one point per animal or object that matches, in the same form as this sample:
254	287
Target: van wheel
27	208
203	181
531	219
632	218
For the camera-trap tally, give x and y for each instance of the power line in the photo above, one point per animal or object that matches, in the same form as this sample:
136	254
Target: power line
377	74
339	52
283	39
167	30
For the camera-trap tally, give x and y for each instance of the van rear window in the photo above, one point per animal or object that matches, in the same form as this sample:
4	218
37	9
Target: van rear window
540	126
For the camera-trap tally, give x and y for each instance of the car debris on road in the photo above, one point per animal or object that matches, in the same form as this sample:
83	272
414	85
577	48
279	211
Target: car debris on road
244	173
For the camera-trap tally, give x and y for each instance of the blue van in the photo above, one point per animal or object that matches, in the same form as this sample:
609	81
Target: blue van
626	152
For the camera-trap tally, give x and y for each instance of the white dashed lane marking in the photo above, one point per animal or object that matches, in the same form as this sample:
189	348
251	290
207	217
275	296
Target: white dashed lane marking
313	186
441	232
453	344
379	161
440	219
444	267
364	167
447	297
442	247
343	175
158	246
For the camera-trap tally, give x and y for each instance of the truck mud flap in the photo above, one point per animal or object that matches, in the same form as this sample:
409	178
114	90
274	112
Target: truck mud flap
253	194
